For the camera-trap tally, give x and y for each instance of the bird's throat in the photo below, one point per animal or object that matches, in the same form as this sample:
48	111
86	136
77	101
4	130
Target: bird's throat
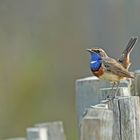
95	62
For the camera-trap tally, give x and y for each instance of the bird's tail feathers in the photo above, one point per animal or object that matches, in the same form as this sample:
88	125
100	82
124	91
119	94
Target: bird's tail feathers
130	45
124	59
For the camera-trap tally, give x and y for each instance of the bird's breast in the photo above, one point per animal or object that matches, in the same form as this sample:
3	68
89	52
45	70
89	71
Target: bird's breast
98	72
106	75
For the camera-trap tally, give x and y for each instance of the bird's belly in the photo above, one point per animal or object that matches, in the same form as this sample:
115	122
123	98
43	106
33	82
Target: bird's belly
110	77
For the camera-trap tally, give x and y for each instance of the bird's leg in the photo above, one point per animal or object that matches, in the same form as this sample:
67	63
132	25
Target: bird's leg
114	83
117	89
115	94
108	96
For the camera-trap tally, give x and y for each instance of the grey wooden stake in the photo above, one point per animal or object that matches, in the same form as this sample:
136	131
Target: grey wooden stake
115	107
37	134
136	83
87	90
55	130
126	112
97	124
18	138
88	93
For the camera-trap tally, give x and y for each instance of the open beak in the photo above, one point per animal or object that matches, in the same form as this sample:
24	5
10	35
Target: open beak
89	50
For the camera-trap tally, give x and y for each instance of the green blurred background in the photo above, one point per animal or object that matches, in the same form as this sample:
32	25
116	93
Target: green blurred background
42	53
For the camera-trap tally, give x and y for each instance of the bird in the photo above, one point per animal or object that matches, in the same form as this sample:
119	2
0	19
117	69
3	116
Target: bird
110	69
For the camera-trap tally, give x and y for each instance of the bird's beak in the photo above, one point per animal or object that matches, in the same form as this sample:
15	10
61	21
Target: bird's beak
89	50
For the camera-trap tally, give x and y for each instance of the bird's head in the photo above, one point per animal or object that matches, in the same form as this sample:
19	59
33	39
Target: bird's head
98	51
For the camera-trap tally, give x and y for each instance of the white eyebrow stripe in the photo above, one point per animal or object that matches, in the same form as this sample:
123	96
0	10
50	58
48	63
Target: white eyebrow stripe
92	62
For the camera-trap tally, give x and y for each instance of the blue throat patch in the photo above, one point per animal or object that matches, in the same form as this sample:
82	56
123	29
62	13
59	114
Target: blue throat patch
95	62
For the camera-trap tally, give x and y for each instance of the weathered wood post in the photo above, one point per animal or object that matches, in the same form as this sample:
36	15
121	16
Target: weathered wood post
136	83
37	134
87	90
125	109
55	130
46	131
88	93
18	138
126	120
97	124
126	115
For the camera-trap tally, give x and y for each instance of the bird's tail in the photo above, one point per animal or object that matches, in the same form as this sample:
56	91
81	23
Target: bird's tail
124	59
130	45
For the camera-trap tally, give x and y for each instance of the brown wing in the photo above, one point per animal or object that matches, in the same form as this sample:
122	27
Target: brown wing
116	68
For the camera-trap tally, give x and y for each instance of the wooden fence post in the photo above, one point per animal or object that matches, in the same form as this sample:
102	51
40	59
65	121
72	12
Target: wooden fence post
97	124
18	138
46	131
126	115
126	112
136	86
88	94
125	120
125	108
87	90
37	134
55	130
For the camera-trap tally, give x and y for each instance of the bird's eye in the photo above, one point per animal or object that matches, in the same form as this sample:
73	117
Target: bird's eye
97	51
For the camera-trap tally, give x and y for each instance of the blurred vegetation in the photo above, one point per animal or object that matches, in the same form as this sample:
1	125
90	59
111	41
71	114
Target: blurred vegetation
42	53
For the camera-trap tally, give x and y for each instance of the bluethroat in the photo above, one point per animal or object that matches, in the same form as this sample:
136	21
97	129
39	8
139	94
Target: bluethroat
112	70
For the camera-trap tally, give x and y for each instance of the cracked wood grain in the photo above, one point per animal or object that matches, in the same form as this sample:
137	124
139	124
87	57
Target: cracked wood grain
126	114
97	124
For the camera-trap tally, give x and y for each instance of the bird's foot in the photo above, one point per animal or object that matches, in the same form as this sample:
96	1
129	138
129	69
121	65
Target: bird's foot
107	97
112	98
